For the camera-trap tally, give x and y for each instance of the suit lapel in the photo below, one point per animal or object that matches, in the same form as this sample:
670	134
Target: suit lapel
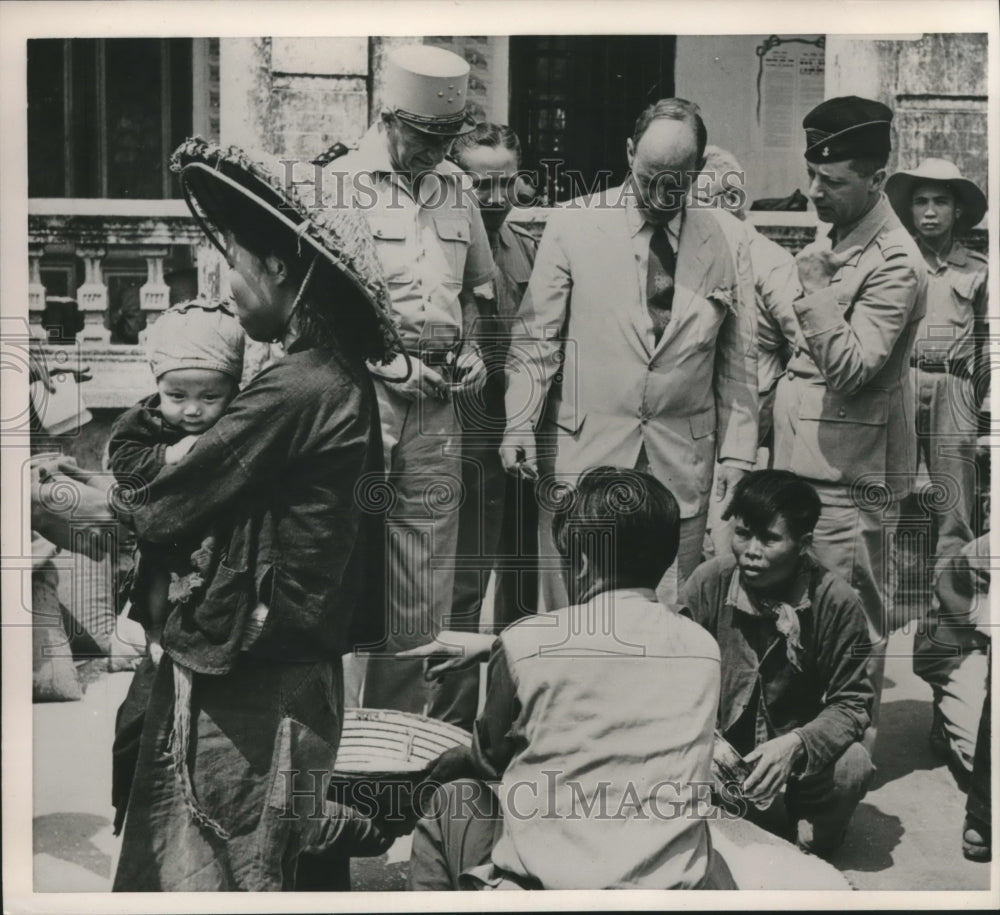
693	262
628	303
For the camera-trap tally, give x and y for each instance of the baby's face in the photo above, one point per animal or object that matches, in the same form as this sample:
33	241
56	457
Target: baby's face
193	399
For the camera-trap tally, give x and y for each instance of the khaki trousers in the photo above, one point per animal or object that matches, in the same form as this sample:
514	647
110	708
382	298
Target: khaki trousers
421	441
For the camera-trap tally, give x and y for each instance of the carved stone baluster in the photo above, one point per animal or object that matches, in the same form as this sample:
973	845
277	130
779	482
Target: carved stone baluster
92	295
155	293
36	289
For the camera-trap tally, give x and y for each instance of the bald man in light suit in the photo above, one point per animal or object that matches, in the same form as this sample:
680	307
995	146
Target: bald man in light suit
640	318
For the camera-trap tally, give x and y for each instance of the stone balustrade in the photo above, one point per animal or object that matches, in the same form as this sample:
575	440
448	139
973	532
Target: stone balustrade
144	233
94	241
139	235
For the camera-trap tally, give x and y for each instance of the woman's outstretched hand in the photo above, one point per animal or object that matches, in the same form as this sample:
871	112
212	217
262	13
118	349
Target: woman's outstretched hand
450	651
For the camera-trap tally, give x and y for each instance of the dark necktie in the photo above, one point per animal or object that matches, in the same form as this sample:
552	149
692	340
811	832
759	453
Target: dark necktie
660	281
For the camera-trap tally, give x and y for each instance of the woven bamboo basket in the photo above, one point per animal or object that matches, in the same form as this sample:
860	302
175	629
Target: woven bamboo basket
383	741
384	759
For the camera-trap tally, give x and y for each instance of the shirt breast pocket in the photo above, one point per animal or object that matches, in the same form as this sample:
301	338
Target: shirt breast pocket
963	291
396	255
453	235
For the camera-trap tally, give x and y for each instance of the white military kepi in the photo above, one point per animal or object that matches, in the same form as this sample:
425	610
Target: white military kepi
427	88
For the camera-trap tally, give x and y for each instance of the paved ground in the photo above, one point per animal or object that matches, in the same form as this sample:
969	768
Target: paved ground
905	836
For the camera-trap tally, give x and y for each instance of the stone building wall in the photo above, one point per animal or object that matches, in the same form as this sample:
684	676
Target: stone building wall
937	86
294	96
298	96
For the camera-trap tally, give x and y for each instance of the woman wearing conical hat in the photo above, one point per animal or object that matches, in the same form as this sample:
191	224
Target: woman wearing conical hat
250	686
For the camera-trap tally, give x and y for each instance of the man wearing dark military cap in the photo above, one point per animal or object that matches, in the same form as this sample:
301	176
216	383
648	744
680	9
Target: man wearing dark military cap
843	413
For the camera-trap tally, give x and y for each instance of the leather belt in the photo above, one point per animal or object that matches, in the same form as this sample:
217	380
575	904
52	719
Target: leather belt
935	368
957	367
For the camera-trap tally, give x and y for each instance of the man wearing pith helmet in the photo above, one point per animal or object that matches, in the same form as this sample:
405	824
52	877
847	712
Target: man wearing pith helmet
843	413
937	204
434	250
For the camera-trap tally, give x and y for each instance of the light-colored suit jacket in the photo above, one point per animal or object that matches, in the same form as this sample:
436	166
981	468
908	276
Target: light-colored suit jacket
690	399
843	412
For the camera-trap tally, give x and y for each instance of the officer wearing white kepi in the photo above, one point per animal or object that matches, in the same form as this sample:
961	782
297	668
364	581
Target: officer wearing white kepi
434	249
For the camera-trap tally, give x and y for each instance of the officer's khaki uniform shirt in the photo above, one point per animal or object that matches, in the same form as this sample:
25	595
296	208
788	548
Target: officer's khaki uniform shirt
431	242
843	413
956	300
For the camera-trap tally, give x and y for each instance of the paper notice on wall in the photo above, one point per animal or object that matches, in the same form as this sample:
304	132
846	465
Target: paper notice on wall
810	79
777	108
792	84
